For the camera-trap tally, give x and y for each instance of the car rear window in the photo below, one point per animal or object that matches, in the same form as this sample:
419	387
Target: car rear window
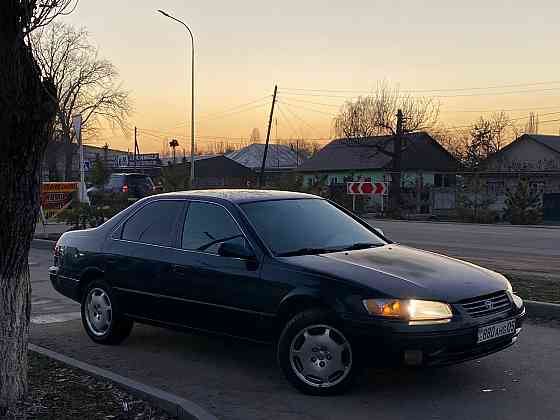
156	223
115	181
140	184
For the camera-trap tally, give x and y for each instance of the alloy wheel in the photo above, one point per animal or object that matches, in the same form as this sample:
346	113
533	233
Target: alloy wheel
98	311
320	356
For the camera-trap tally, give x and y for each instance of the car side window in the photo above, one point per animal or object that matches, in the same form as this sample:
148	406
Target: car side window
207	226
155	224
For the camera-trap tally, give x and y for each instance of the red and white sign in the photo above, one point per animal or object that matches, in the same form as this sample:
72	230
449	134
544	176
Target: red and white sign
366	188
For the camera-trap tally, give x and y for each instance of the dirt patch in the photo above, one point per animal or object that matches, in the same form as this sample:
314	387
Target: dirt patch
59	392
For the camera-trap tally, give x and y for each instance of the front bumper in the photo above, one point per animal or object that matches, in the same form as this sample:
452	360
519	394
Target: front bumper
384	341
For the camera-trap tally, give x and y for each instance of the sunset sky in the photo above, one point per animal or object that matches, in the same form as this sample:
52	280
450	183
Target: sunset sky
474	56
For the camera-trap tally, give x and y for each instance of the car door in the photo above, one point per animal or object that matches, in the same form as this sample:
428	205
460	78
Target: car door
219	293
140	260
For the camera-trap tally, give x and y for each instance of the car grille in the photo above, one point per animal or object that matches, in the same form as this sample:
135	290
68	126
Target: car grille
487	305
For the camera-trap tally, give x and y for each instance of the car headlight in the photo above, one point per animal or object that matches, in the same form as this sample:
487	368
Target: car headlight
509	288
415	311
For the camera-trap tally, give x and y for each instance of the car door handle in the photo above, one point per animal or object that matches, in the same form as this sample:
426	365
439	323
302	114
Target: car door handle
111	260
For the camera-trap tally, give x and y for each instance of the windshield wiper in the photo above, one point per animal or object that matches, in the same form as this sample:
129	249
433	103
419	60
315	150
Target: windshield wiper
307	251
360	245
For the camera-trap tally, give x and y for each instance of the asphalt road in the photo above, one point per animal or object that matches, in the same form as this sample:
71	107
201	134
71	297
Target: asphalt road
504	248
238	380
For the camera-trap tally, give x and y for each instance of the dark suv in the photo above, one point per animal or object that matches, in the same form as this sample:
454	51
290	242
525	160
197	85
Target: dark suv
135	185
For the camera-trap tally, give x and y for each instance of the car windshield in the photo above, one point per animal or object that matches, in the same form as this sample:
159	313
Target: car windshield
307	226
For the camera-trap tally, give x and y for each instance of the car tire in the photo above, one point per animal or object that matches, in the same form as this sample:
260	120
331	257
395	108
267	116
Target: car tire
315	355
102	320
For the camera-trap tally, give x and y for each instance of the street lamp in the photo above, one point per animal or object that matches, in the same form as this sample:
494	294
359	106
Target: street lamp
192	91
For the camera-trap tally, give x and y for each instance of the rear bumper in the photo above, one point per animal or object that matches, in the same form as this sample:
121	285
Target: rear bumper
64	285
398	344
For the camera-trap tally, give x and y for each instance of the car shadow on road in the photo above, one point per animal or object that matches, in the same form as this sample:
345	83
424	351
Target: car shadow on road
233	359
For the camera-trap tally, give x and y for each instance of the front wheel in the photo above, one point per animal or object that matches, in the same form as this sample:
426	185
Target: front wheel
101	317
315	355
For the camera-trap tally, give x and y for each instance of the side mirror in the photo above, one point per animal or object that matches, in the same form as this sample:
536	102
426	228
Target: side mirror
235	250
380	231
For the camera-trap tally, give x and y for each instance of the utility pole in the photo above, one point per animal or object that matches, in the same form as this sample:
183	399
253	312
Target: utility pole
397	160
135	145
261	177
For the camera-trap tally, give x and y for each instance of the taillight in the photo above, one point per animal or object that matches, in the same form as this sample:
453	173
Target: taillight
125	188
58	252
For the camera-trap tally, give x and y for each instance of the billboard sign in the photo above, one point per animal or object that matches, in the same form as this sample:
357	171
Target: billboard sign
56	196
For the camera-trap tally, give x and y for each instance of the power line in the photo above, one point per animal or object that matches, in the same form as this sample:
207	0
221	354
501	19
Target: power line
315	103
549	121
435	96
227	111
309	109
443	110
287	120
297	116
500	110
554	82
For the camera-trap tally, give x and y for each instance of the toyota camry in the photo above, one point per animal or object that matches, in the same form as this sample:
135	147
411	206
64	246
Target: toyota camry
332	292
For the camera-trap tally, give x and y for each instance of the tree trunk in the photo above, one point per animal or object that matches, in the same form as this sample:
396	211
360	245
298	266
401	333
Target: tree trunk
26	114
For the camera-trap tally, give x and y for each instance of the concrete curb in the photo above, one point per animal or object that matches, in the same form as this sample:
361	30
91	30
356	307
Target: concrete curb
542	310
173	404
42	244
443	222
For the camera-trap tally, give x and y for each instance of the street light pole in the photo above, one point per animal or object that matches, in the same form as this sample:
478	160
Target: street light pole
192	91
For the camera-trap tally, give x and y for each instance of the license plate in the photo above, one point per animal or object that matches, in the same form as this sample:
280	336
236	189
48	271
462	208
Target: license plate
490	332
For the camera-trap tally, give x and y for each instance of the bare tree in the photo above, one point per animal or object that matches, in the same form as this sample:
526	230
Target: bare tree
486	137
85	83
455	141
26	115
387	112
377	114
357	119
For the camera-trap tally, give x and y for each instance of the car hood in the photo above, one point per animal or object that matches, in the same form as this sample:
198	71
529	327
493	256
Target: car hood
402	272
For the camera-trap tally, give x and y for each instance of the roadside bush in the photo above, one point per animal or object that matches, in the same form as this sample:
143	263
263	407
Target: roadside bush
523	206
105	206
174	178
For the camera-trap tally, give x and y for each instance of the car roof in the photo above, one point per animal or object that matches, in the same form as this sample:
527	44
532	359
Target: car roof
129	174
240	196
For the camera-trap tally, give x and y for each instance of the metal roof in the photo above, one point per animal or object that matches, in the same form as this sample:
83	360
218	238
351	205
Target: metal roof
421	152
552	142
279	156
179	159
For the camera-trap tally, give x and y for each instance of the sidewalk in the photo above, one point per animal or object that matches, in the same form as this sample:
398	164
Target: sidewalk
52	231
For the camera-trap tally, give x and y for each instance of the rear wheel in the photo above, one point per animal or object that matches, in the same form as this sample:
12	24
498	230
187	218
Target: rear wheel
101	317
315	355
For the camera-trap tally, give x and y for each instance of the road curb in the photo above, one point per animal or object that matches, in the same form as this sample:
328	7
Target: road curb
173	404
443	222
42	243
542	310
